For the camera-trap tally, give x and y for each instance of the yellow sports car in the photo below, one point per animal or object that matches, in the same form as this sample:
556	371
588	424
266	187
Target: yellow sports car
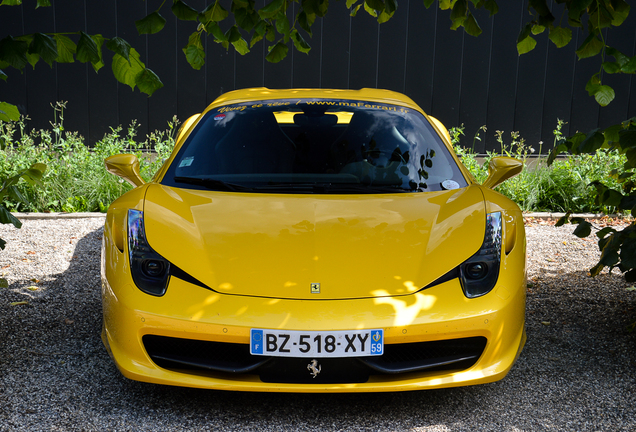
313	241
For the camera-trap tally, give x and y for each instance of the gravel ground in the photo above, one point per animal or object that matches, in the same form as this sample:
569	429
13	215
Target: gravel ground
577	372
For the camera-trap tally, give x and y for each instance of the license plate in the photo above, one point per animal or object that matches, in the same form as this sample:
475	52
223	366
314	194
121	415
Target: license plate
347	343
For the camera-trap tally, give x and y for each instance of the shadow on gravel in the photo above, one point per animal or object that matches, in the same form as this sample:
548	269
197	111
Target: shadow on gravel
576	373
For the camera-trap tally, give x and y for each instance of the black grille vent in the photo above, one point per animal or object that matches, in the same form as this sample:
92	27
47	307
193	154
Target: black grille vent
188	354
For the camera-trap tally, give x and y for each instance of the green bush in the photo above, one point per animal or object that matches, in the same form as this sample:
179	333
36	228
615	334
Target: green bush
560	187
76	180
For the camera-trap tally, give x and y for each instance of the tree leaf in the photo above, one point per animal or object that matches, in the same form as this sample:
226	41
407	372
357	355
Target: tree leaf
593	84
471	26
563	219
246	18
9	112
213	13
99	41
621	11
272	9
537	29
232	34
7	218
240	45
44	46
13	52
306	21
126	71
195	56
630	66
299	42
526	45
277	53
151	24
560	36
148	82
378	5
43	3
583	229
119	46
604	95
3	76
87	49
611	67
350	3
16	195
458	14
184	12
65	49
590	47
390	6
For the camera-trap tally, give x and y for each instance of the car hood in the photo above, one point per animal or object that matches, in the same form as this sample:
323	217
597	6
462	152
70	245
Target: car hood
278	245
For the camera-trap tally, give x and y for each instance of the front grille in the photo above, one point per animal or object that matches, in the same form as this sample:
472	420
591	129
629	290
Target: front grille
196	355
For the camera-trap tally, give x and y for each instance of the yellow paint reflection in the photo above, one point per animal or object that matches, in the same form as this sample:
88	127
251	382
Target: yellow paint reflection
226	286
211	299
405	313
411	286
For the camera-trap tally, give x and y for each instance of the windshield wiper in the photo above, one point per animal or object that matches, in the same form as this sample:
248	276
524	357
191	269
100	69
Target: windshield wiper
213	184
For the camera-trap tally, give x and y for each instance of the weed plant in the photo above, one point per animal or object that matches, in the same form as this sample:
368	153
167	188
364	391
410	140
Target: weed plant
76	180
560	187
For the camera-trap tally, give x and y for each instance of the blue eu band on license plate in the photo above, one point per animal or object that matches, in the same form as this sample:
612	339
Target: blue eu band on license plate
345	343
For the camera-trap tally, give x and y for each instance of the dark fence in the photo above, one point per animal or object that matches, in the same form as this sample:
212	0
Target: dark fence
457	78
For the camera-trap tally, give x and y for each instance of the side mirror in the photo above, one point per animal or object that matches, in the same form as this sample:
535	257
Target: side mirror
125	166
441	128
501	169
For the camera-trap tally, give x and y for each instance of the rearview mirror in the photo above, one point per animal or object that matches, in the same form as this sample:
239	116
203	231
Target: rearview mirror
125	166
501	169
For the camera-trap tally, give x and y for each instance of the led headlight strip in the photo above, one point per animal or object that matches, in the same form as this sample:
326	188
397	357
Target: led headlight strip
479	273
150	271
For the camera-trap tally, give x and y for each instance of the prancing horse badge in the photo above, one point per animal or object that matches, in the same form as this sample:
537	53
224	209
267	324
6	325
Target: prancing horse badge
314	368
315	288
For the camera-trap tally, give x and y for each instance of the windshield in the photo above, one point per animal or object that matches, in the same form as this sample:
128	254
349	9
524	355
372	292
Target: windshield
314	146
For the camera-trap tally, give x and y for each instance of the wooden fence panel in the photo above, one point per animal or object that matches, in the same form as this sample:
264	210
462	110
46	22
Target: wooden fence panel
452	76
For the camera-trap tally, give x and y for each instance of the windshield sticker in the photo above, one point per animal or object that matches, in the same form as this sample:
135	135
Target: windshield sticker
219	117
326	103
450	184
354	104
186	162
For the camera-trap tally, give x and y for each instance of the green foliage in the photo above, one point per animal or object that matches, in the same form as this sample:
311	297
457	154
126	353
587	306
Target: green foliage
76	180
616	190
560	187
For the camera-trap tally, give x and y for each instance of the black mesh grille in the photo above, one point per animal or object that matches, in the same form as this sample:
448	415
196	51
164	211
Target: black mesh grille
188	354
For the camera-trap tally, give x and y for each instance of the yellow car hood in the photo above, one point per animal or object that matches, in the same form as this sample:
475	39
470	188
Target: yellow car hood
278	245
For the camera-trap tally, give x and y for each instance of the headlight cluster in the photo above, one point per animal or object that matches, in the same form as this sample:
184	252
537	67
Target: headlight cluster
478	274
150	271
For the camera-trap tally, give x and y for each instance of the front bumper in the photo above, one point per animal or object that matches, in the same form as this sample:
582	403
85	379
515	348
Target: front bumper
190	312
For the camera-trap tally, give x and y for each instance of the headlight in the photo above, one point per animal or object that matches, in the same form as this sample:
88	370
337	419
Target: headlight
150	271
478	274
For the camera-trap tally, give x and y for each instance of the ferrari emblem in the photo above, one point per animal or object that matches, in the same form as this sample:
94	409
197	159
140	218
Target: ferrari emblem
315	288
314	368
